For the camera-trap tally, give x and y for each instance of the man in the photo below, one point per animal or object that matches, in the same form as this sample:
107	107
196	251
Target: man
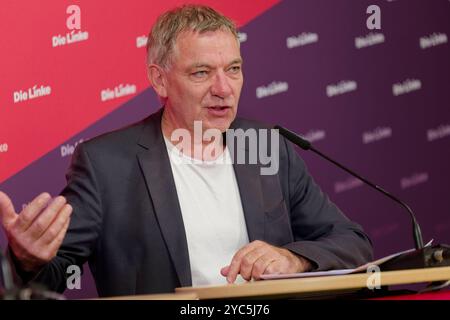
146	223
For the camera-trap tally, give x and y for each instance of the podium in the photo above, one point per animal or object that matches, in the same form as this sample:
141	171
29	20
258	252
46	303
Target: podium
316	286
311	287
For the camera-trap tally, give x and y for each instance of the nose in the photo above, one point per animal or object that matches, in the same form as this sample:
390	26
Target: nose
221	87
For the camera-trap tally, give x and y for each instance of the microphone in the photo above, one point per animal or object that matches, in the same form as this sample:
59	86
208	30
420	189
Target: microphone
422	257
306	145
31	292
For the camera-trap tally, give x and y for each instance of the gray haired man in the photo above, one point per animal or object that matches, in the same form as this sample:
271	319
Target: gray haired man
146	223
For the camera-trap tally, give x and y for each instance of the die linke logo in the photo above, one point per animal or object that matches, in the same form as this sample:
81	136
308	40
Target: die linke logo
376	135
119	91
302	40
73	23
373	22
315	135
406	86
369	40
340	88
141	41
433	40
350	183
242	36
413	180
274	88
3	147
31	93
438	133
68	149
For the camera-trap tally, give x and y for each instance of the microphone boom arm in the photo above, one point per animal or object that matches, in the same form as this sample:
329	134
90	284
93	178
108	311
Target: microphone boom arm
306	145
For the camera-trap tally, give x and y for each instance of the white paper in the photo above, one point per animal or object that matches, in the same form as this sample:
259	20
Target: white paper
339	271
307	274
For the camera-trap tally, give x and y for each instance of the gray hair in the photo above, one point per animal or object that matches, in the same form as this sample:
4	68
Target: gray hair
169	25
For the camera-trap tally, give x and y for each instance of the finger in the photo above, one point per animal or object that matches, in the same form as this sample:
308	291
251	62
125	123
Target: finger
57	225
248	261
277	267
224	271
43	221
7	213
31	211
235	264
54	246
261	265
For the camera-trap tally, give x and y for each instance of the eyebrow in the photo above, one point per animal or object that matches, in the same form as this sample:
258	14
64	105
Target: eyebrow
204	65
236	61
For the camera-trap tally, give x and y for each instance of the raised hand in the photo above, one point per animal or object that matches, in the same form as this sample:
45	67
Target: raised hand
35	234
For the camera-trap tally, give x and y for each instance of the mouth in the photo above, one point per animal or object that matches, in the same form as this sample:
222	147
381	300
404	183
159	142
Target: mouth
218	110
219	107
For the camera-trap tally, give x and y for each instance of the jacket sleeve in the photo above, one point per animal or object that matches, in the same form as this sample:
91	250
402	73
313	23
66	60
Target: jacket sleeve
322	233
82	193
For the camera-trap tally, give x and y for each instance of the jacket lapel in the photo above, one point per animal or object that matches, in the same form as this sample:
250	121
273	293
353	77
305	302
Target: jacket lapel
249	183
248	178
155	165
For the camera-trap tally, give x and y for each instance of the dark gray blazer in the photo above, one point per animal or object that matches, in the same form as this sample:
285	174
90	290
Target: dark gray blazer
128	225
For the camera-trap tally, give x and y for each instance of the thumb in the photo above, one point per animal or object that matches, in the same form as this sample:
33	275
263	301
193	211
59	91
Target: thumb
7	213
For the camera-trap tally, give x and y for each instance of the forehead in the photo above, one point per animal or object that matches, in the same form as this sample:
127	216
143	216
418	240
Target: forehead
207	47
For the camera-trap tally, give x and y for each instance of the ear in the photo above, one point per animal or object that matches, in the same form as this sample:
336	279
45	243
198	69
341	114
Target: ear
157	79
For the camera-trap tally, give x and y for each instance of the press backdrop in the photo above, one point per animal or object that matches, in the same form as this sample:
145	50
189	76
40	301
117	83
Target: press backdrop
369	89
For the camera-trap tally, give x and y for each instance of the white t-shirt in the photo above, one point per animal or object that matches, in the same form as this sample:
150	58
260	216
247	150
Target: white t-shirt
212	213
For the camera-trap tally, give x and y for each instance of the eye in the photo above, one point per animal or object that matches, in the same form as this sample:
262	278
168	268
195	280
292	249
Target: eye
235	69
200	74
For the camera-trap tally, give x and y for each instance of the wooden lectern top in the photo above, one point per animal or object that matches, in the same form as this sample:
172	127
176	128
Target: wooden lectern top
305	286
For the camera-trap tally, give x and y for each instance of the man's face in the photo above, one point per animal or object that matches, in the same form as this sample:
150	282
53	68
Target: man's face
204	81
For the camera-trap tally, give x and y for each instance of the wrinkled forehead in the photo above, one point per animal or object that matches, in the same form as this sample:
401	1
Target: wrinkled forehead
193	45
